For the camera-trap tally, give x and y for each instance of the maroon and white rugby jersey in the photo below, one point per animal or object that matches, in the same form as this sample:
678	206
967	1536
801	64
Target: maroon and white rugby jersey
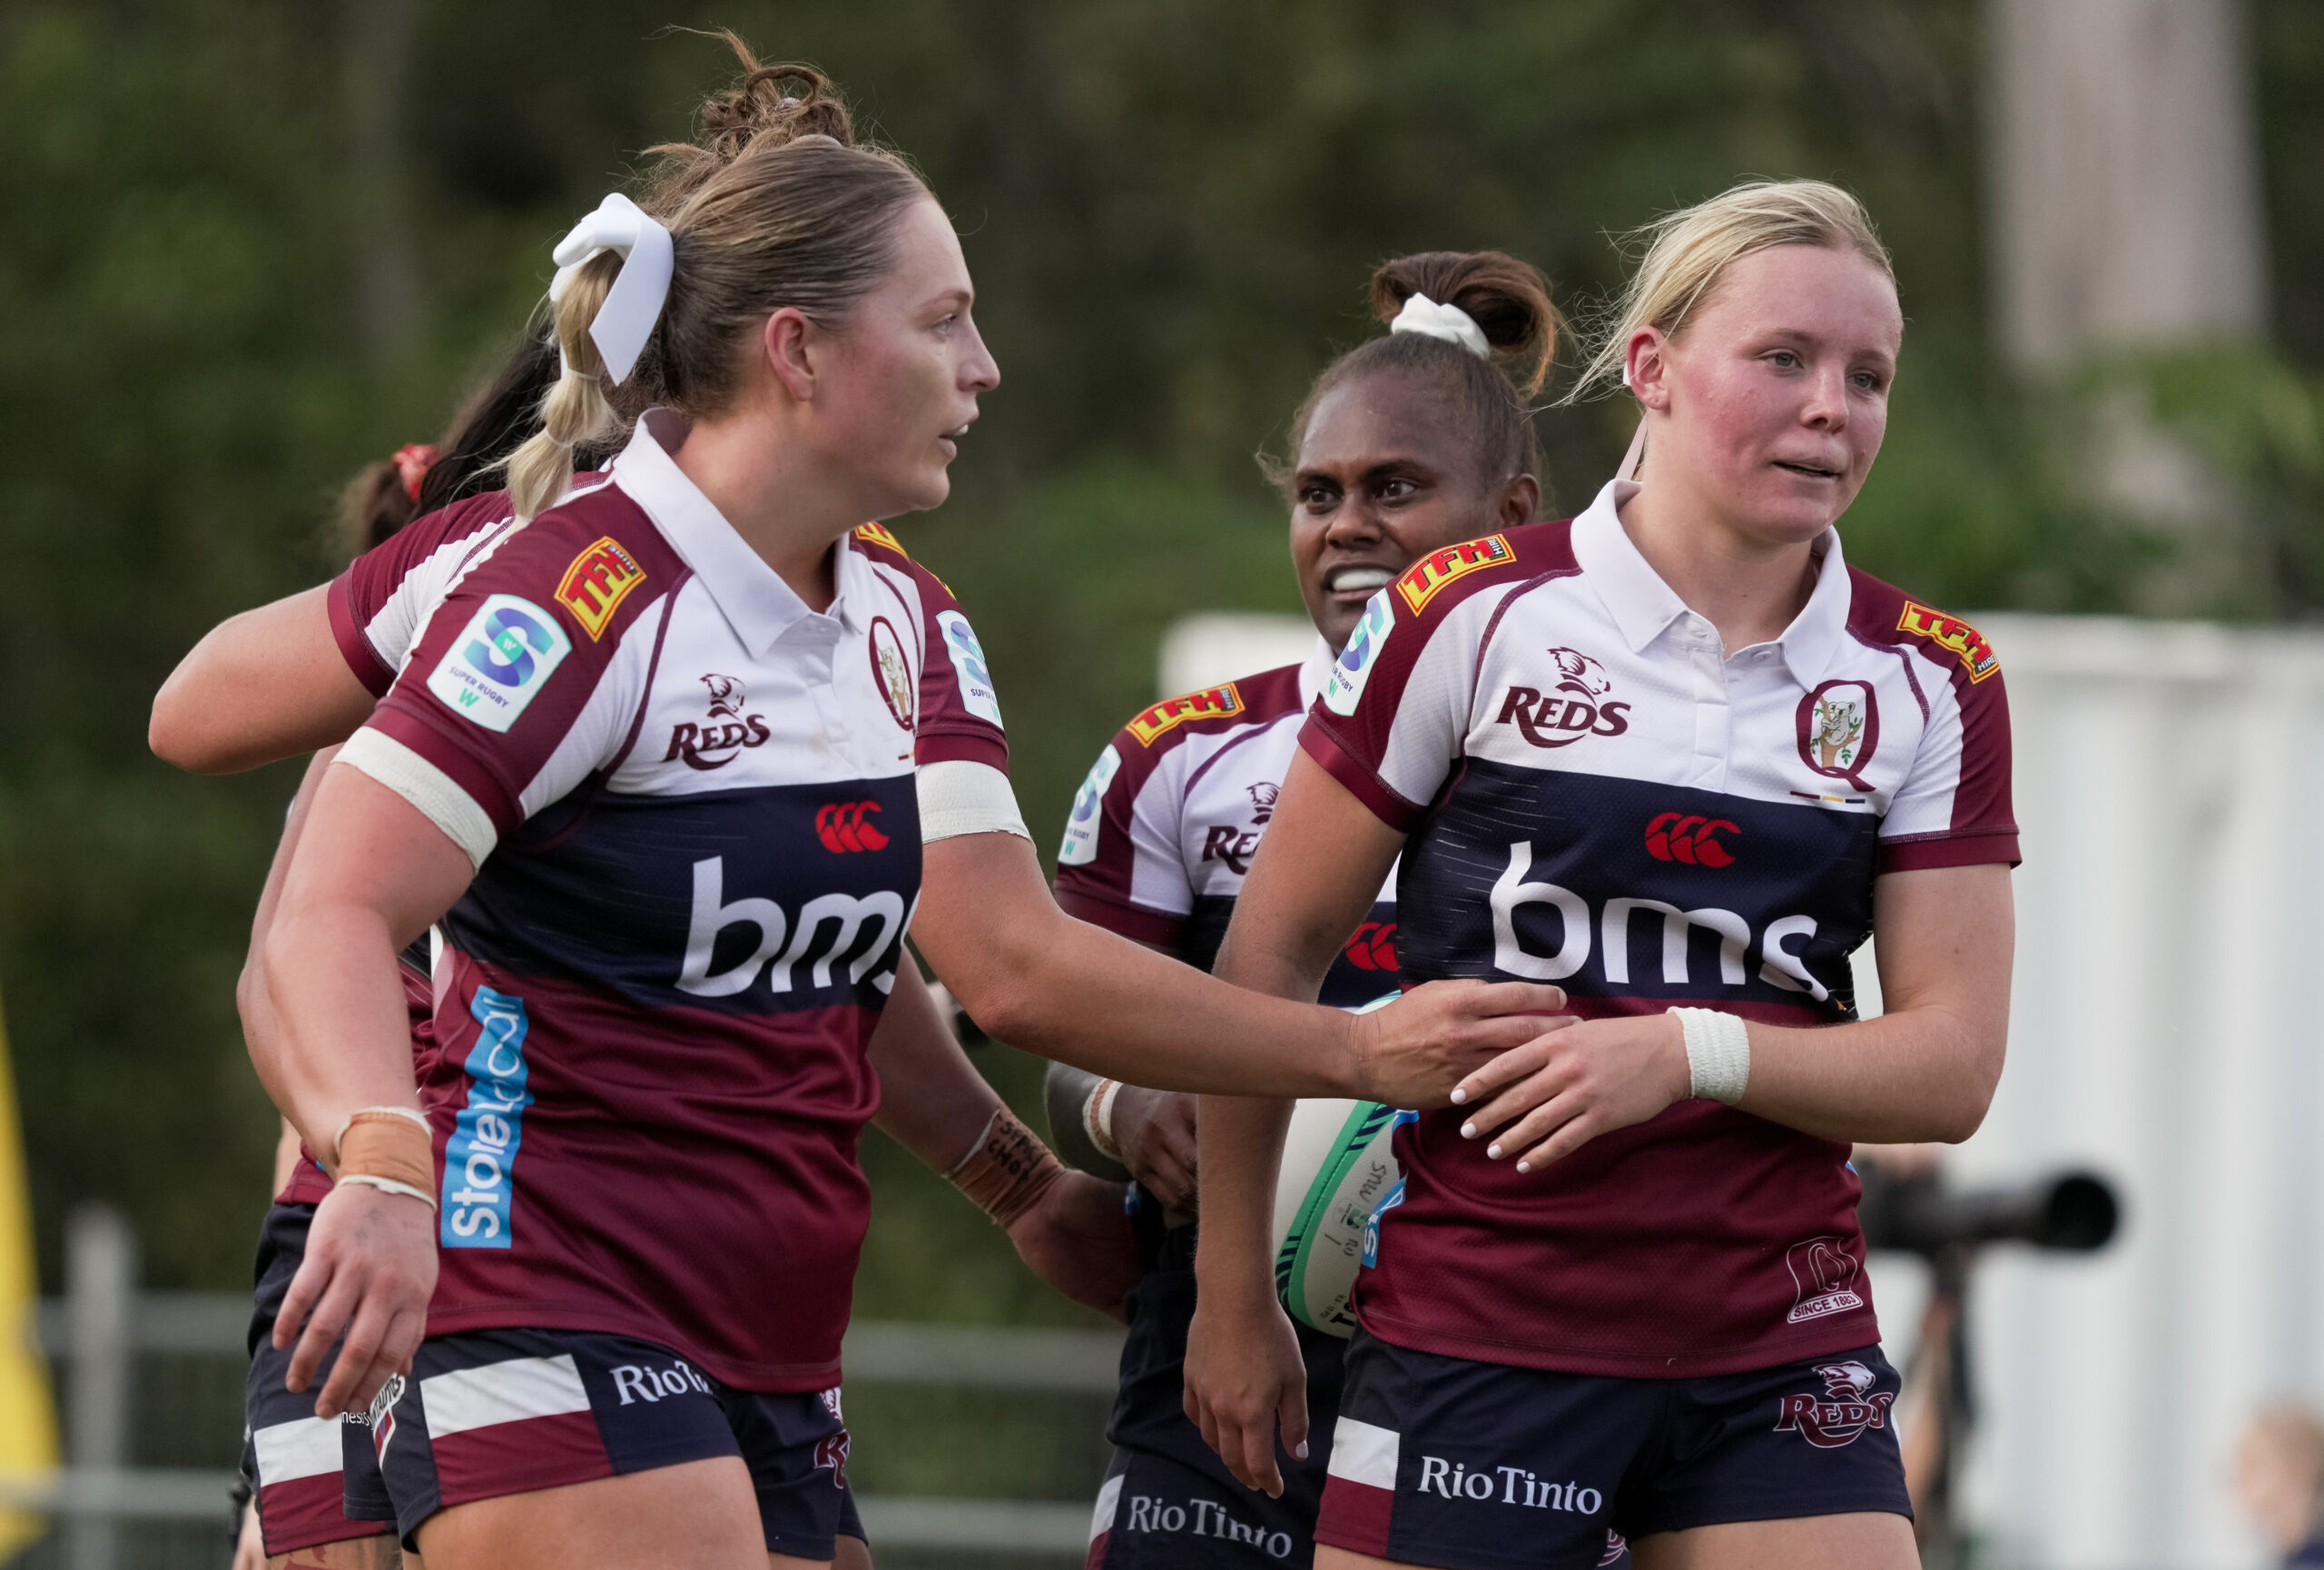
1597	796
692	801
1166	824
375	606
378	604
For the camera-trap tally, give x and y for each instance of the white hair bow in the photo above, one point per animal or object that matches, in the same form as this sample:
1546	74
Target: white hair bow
626	320
1449	323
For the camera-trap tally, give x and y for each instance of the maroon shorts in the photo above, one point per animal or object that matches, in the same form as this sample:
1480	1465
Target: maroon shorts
313	1480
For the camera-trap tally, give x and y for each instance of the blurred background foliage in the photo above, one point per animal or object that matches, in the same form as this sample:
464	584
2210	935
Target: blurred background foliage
250	247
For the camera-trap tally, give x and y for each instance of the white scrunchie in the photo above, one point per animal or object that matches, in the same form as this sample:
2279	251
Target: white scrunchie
1449	323
626	320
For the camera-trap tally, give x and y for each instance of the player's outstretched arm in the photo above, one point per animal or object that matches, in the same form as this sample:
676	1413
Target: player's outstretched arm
1067	1227
370	877
1038	979
268	683
1924	1071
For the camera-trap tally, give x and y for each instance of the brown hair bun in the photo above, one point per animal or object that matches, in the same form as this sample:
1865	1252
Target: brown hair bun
1508	299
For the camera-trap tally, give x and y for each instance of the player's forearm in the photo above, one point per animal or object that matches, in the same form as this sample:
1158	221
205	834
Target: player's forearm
1041	981
1066	1093
262	1029
932	1100
1103	1004
1919	1075
1238	1139
1238	1142
1925	1069
345	1033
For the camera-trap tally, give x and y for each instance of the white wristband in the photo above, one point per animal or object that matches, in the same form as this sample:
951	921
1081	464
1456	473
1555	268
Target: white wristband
1098	1117
1719	1054
390	1186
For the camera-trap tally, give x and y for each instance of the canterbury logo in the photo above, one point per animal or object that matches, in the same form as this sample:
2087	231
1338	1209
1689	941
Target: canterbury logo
1676	837
841	826
1373	947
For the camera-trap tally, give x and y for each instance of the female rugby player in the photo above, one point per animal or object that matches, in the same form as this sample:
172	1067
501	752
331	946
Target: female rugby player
1404	445
318	1489
1677	756
606	1112
315	1488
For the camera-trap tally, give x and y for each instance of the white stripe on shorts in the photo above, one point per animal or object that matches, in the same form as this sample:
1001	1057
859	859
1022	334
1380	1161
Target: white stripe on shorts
1364	1453
1110	1498
505	1392
302	1447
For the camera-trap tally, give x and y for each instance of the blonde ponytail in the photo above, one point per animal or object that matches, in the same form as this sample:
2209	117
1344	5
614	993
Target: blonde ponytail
1687	251
575	410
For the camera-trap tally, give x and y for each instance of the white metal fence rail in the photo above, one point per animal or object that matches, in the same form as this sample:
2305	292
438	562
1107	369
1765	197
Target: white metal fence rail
103	1322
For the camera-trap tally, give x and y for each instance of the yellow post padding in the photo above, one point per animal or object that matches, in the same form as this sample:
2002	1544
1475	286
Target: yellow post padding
28	1408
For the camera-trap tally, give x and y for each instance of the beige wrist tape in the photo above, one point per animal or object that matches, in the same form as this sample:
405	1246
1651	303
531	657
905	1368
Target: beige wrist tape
1009	1170
379	1146
1098	1117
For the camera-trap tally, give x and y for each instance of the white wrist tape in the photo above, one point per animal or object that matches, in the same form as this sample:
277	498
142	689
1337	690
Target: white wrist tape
1098	1117
1719	1054
414	1113
389	1186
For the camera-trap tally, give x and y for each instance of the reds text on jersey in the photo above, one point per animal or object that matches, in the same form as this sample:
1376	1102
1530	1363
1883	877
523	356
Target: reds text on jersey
1599	796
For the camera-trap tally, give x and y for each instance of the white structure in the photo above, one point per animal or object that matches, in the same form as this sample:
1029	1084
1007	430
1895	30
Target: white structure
2169	920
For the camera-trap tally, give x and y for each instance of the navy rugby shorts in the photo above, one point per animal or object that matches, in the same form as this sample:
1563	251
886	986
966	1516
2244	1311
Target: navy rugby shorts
490	1412
1157	1512
1169	1502
1483	1466
313	1479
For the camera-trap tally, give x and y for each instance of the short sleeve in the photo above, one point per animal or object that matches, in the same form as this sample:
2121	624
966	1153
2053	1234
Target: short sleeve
1120	866
960	712
510	698
1394	710
378	605
1955	808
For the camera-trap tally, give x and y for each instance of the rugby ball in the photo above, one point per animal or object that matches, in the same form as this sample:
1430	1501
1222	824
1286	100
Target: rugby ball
1336	1170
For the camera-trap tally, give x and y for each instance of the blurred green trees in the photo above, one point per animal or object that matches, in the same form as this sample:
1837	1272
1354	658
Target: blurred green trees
250	247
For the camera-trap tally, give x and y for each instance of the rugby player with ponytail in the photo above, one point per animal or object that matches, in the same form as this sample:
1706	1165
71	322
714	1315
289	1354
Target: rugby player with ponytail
1406	445
1679	756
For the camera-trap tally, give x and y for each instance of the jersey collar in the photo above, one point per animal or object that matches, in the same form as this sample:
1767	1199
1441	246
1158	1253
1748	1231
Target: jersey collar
1314	671
752	596
1643	607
